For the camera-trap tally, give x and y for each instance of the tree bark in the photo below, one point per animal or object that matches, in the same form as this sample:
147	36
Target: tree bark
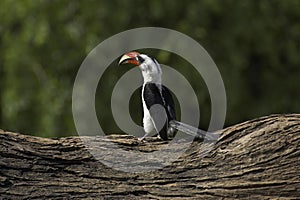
257	159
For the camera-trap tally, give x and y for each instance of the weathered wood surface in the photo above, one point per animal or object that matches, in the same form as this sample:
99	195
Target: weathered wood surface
257	159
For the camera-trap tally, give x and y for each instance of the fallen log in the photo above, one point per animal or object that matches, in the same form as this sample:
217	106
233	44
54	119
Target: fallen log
257	159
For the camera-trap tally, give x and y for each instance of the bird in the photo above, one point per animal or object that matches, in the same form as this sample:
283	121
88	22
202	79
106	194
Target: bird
157	100
159	115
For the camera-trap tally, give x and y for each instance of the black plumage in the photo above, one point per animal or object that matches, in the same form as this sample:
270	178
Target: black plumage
155	94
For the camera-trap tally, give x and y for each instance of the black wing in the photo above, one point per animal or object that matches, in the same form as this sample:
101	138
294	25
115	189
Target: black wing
169	103
152	96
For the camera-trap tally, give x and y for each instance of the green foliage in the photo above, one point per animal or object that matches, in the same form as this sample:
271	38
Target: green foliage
255	44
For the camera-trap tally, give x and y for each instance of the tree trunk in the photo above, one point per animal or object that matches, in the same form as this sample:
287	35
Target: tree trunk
257	159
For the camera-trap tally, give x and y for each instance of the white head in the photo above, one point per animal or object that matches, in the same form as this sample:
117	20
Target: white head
151	70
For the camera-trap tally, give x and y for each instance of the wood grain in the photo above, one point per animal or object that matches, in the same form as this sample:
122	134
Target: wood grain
257	159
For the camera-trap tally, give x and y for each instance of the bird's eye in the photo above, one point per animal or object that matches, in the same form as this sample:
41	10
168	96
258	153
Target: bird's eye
140	59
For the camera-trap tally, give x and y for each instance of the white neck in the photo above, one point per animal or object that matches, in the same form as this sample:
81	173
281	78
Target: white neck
151	78
151	71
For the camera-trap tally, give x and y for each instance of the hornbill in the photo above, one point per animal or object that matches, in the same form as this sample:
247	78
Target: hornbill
158	103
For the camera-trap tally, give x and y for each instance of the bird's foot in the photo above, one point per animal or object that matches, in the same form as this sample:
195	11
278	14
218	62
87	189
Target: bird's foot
142	139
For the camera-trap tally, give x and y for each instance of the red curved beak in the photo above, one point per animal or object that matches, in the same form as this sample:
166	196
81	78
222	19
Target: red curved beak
130	58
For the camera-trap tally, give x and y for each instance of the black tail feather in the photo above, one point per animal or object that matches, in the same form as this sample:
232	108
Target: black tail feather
190	130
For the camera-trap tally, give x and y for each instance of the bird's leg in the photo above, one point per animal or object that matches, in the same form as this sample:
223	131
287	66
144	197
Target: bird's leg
158	136
142	138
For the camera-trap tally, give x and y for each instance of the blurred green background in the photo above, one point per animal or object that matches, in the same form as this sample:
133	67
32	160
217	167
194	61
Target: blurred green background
255	44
